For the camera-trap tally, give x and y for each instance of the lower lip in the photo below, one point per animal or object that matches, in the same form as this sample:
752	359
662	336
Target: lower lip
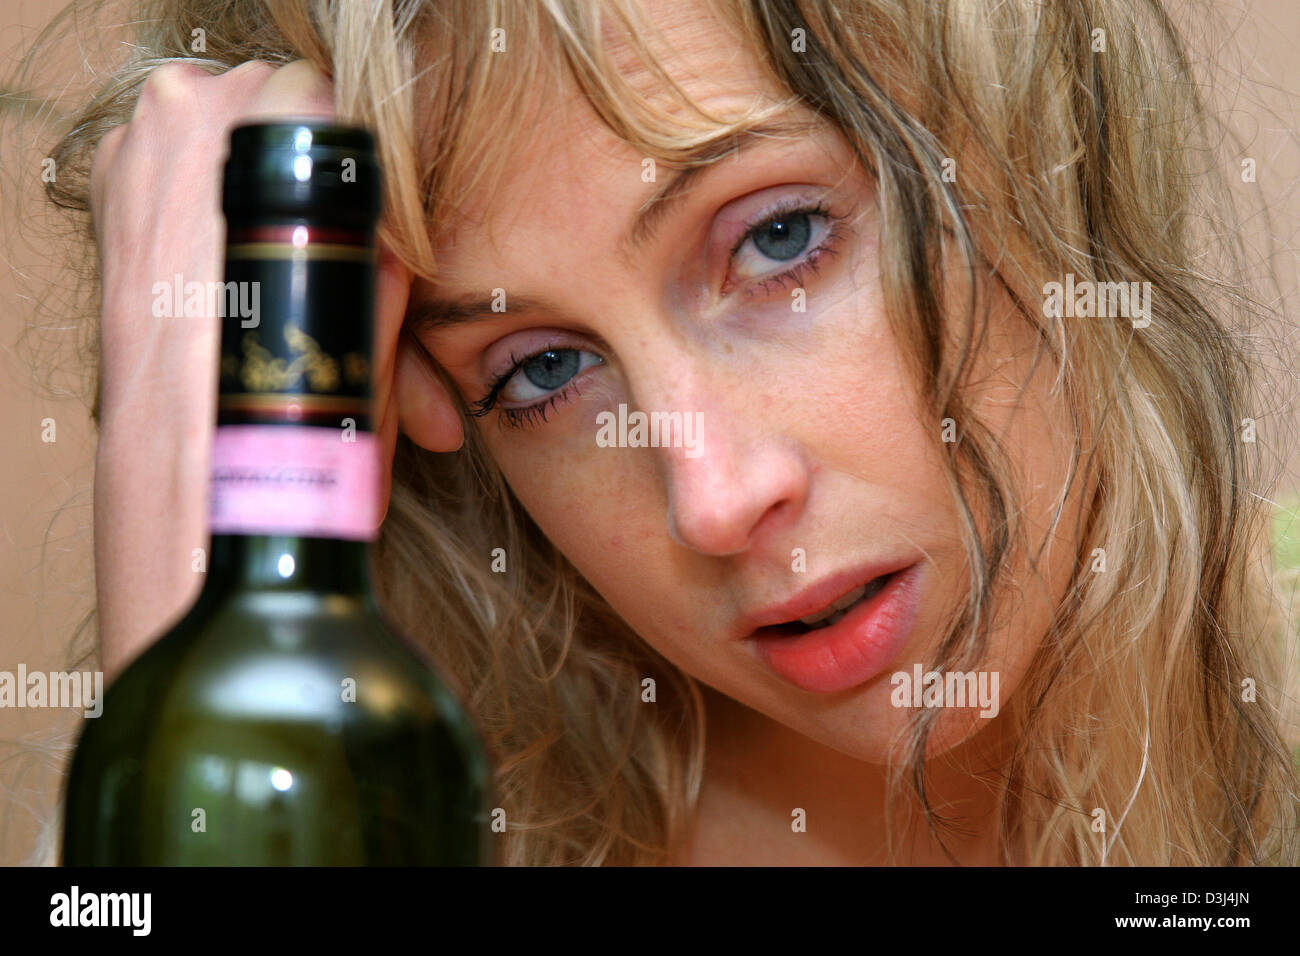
852	650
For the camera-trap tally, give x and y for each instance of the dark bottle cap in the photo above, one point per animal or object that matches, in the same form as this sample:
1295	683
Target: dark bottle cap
309	169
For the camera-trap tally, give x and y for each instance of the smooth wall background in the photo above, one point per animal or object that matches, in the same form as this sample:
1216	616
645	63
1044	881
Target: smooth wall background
46	568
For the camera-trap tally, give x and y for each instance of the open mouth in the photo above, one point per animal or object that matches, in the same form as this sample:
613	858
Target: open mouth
833	612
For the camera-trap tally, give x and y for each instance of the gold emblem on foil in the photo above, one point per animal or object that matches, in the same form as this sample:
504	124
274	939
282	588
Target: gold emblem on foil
356	369
262	372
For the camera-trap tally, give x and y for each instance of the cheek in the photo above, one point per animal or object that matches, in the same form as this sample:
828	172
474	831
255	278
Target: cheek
1033	426
599	506
879	435
856	412
854	402
605	512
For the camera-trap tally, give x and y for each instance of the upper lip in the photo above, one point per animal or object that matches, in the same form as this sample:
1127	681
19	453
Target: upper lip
816	597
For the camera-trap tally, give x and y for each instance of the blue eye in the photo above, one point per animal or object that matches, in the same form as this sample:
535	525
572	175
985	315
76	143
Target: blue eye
549	370
784	237
793	229
542	372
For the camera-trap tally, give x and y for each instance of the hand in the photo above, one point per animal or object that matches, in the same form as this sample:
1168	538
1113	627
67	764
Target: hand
156	206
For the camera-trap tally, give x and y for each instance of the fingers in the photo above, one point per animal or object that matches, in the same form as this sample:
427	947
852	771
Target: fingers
407	396
392	291
104	158
427	413
155	191
295	89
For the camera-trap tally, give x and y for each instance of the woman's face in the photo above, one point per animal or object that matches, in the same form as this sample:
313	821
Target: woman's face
809	441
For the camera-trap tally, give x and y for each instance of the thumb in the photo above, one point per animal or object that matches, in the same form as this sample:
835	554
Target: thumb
408	395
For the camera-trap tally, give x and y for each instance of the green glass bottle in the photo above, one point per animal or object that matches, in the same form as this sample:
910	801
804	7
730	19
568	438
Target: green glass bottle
282	721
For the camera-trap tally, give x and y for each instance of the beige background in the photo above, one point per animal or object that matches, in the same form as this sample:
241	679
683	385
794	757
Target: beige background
46	571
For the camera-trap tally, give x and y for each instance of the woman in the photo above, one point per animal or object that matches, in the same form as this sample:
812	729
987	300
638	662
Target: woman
927	282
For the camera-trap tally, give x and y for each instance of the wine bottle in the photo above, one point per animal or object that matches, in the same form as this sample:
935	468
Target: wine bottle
282	721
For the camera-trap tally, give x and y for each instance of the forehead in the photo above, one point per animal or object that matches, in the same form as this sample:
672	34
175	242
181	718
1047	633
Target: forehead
562	150
699	48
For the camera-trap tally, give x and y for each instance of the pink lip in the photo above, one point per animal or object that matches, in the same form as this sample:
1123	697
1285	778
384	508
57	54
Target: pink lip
854	649
816	597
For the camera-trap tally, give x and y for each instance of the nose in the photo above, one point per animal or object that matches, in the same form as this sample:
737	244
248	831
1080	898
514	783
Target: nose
743	481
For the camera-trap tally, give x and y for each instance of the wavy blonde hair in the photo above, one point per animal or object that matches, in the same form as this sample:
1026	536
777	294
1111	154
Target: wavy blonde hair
1100	163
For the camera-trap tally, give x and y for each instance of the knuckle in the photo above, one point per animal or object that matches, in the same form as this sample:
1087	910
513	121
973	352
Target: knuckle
256	67
167	84
105	152
108	146
297	86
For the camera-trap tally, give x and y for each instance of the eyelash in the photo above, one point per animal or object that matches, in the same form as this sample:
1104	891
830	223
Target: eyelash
530	414
812	259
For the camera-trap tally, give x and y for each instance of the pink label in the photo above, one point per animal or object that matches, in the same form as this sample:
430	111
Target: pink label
295	480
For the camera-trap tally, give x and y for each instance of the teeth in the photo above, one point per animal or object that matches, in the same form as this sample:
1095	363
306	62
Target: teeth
851	598
841	607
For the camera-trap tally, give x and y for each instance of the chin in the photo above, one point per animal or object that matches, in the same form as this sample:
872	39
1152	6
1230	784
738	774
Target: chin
868	727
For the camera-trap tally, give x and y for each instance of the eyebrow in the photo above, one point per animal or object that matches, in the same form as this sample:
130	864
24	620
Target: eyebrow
443	313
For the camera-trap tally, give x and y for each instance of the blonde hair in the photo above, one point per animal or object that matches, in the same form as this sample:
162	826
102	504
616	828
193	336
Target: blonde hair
1073	160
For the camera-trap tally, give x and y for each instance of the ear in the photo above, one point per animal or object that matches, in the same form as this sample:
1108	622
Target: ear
407	394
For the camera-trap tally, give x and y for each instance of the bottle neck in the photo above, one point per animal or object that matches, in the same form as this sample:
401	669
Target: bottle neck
295	483
259	562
